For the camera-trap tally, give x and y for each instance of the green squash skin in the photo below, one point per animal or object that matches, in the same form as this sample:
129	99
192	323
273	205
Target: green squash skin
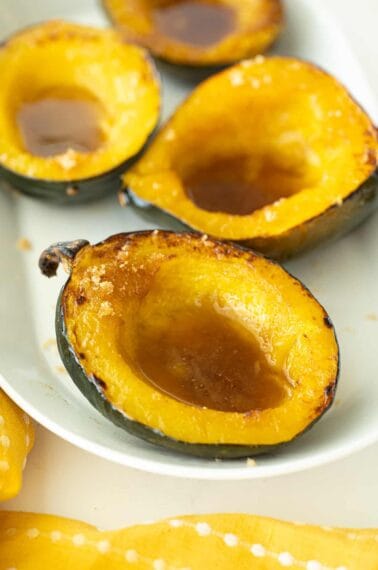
64	192
84	190
94	393
331	224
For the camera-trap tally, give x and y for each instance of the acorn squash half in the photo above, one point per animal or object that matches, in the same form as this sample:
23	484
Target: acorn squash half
76	104
273	153
192	344
199	32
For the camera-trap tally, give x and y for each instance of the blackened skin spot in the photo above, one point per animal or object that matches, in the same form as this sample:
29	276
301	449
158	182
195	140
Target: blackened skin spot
327	322
82	356
99	382
330	390
371	157
80	299
329	393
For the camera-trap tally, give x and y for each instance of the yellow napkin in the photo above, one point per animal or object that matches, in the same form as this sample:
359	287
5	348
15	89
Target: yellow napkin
16	440
219	542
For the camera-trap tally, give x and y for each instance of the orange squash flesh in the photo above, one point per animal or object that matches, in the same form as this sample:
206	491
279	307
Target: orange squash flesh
144	311
107	89
198	32
260	154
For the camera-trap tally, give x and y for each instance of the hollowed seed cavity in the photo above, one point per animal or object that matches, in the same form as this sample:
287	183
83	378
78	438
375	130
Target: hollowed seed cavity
203	358
197	23
58	120
242	183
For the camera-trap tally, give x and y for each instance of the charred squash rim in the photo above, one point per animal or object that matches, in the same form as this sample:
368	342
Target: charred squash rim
94	389
343	209
333	223
247	40
83	180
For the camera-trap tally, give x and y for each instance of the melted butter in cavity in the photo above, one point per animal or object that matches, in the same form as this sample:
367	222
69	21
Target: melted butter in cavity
204	359
57	122
197	23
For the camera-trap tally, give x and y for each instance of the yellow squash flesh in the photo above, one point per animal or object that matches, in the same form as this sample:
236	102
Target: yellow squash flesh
133	283
284	128
67	59
257	23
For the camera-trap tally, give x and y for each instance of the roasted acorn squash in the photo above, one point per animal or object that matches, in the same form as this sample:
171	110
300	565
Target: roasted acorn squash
272	153
198	32
76	104
192	344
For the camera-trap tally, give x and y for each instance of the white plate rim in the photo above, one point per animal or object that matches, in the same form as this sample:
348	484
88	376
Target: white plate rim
205	472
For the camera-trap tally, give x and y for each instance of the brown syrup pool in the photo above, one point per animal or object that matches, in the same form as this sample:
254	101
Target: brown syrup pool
197	23
240	185
56	122
204	359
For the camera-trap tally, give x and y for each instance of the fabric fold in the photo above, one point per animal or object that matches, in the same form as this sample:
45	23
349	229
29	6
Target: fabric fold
16	440
224	541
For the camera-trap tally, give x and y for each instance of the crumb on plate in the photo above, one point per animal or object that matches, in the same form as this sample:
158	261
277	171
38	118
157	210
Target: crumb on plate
23	244
251	462
49	343
372	317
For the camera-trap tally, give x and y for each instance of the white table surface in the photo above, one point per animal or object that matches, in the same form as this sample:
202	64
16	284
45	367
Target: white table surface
61	479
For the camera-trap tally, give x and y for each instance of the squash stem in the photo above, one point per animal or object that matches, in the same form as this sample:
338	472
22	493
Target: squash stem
61	252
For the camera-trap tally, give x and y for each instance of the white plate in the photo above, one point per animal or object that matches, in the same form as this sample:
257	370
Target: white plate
343	275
